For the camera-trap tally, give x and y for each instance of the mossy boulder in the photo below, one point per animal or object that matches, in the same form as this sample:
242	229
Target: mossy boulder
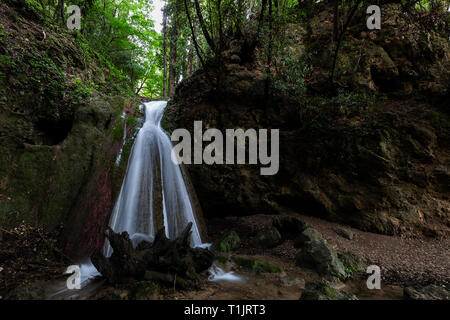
320	256
308	235
324	290
256	265
344	233
268	237
352	262
228	242
289	226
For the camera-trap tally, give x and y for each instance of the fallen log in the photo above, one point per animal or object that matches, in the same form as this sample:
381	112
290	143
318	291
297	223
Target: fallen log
166	261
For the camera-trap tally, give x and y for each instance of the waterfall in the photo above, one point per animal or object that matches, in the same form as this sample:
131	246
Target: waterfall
153	192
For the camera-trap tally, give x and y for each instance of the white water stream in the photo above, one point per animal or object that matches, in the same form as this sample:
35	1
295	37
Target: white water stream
135	208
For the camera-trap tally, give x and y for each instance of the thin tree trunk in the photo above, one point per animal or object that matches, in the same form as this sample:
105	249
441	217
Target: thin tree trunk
165	52
203	26
341	36
194	40
173	37
189	61
336	20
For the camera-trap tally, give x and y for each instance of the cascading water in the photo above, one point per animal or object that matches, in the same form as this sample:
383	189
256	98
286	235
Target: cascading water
153	193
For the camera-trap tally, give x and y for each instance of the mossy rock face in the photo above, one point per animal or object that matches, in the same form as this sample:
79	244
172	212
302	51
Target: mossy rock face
256	265
324	290
352	262
320	256
145	290
308	235
289	227
228	242
268	237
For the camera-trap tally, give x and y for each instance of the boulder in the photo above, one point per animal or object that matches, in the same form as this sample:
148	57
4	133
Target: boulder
324	290
352	262
289	227
344	233
320	256
308	235
430	292
268	237
228	242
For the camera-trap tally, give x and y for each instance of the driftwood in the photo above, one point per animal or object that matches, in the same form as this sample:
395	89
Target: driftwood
166	261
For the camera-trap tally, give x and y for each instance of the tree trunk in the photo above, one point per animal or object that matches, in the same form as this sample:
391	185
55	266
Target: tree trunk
165	52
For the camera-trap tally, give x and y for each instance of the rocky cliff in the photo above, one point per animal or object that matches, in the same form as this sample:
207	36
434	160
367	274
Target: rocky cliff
61	129
372	151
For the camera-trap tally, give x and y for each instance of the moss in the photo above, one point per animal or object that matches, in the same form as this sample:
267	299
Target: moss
352	262
324	290
221	259
145	290
256	266
229	241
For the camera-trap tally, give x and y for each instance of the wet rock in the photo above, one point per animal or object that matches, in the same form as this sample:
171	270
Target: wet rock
228	242
288	281
324	290
320	256
26	292
344	233
268	237
288	226
256	265
352	262
431	292
308	235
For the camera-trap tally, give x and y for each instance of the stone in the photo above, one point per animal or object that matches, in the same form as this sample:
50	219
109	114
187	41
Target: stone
288	226
344	233
352	262
307	235
268	237
430	292
228	242
320	256
324	290
288	281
